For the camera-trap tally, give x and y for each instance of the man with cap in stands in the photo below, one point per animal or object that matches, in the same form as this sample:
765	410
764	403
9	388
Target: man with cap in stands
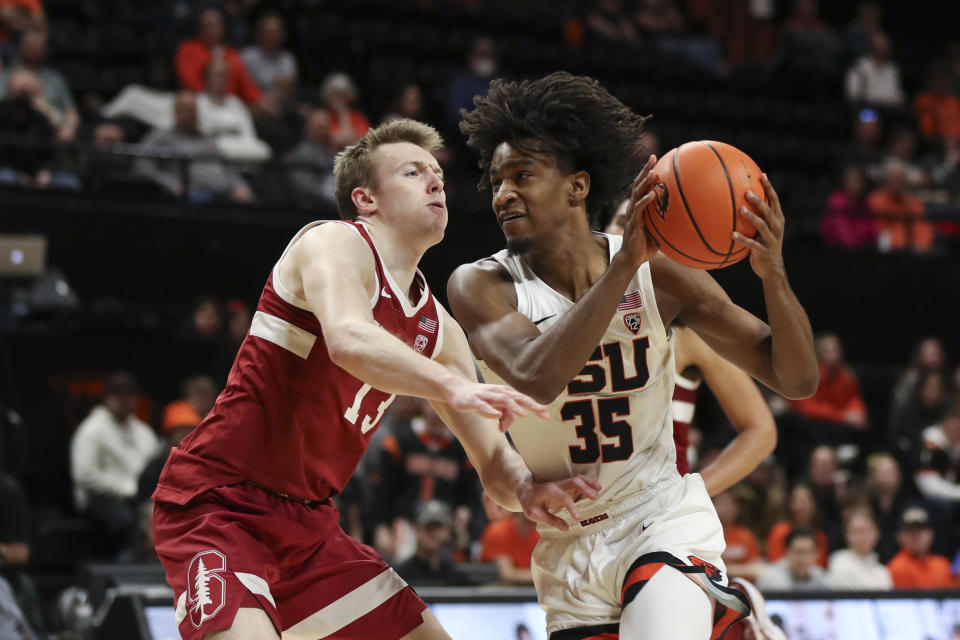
914	567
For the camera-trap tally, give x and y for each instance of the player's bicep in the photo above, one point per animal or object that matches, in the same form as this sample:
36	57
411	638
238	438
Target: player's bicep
485	305
336	268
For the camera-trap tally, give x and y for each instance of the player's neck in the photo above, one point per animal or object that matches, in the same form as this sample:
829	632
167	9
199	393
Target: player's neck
399	255
570	261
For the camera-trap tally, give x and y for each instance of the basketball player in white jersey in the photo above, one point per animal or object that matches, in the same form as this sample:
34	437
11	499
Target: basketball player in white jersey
580	321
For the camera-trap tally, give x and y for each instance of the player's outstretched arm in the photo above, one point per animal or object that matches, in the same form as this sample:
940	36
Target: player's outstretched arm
741	402
780	354
337	270
505	477
538	363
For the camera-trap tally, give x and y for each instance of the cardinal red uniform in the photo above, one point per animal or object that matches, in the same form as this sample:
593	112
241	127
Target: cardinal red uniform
244	515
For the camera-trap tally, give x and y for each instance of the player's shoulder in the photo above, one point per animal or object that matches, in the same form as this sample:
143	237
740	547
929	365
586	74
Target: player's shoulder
333	238
486	272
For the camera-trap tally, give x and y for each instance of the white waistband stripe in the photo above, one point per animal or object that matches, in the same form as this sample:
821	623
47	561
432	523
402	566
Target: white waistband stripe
282	333
181	611
683	411
350	607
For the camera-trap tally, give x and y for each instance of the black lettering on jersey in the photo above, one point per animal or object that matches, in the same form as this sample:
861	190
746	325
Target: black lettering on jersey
597	376
593	377
585	413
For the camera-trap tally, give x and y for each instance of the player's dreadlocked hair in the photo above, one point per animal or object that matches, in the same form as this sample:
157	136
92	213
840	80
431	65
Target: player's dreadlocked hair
571	118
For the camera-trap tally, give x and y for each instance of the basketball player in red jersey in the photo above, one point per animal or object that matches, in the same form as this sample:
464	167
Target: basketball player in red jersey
581	321
244	522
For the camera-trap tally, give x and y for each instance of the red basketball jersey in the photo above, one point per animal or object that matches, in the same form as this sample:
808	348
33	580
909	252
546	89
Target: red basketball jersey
684	403
289	419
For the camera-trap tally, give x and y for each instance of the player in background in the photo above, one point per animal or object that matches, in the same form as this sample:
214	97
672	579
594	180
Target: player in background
579	321
736	393
244	522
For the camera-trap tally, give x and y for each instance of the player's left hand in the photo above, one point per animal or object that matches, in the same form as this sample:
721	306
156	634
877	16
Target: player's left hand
766	247
539	498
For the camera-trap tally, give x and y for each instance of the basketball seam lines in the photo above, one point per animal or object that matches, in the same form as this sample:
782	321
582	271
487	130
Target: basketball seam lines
683	198
733	200
663	239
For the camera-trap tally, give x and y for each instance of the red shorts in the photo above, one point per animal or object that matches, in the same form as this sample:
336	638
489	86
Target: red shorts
240	546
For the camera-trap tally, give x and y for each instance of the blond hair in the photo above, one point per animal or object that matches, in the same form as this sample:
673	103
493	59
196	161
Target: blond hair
353	167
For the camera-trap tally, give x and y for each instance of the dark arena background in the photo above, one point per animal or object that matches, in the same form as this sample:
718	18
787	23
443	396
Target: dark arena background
156	157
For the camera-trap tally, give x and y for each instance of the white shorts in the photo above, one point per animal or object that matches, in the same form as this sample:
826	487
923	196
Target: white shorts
586	574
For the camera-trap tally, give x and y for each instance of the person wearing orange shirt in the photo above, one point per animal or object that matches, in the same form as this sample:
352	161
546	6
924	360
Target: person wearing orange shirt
914	567
509	543
838	394
17	16
803	513
902	216
742	555
938	107
194	55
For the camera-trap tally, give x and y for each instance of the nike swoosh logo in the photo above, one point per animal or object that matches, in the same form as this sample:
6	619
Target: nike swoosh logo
645	526
543	319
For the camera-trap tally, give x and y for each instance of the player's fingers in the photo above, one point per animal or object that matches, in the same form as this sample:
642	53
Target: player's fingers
485	409
533	405
592	482
579	485
750	243
771	193
645	170
545	517
505	421
566	500
759	223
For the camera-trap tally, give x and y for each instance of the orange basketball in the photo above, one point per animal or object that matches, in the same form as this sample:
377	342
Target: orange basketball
702	186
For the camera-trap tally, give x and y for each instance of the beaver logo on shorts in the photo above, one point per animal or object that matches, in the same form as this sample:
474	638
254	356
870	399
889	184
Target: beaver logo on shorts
713	573
206	590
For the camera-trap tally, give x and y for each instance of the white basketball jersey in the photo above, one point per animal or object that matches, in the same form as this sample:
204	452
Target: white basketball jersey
613	421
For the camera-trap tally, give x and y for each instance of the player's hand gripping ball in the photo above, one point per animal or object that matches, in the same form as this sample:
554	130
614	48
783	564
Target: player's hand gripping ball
702	187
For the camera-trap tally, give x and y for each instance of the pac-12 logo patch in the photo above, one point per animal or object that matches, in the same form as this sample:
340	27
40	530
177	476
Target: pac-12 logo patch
420	343
633	321
206	589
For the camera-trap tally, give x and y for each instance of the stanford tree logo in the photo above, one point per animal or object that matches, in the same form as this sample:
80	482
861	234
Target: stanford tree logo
206	589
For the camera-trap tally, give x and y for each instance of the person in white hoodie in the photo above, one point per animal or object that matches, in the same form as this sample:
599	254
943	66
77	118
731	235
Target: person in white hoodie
857	568
108	451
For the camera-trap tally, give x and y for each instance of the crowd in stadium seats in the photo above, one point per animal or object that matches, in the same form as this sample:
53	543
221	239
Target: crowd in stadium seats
201	105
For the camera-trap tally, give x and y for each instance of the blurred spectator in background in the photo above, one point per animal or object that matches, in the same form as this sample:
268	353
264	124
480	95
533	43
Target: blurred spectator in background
268	60
109	450
430	565
742	555
865	149
938	106
938	475
848	222
278	118
859	33
408	103
801	514
837	398
659	17
874	79
509	543
762	497
608	23
901	216
140	549
809	44
798	570
925	408
194	55
17	17
209	178
903	149
483	63
224	118
24	113
825	481
312	160
102	165
856	567
57	102
928	356
914	567
888	498
347	124
418	463
14	526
